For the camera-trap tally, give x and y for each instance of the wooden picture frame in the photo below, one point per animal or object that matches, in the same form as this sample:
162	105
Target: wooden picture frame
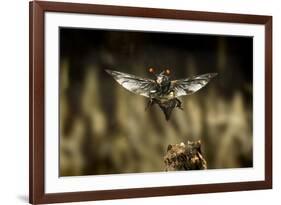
37	10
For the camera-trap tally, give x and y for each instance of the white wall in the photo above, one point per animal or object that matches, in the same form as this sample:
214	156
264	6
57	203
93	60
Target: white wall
14	99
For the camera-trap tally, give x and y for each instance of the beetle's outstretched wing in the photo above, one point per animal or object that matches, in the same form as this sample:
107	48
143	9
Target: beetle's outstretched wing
137	85
188	86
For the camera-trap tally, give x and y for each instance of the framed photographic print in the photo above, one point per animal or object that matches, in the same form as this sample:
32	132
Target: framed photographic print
139	102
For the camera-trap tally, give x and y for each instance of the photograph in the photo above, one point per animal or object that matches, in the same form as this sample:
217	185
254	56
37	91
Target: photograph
129	102
142	101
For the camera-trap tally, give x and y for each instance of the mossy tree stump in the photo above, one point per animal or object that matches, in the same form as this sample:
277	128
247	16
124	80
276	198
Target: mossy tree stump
184	157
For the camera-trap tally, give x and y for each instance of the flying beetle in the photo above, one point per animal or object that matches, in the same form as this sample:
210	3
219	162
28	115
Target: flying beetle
162	90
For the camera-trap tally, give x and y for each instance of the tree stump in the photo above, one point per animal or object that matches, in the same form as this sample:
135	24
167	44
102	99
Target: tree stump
184	157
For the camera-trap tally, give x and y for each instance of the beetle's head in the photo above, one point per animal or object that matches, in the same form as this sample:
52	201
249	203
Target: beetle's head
161	78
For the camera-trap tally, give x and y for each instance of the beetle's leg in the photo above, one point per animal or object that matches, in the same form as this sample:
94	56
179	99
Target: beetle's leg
149	103
179	104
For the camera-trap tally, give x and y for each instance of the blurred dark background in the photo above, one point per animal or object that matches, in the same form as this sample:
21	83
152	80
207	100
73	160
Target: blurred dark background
104	129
